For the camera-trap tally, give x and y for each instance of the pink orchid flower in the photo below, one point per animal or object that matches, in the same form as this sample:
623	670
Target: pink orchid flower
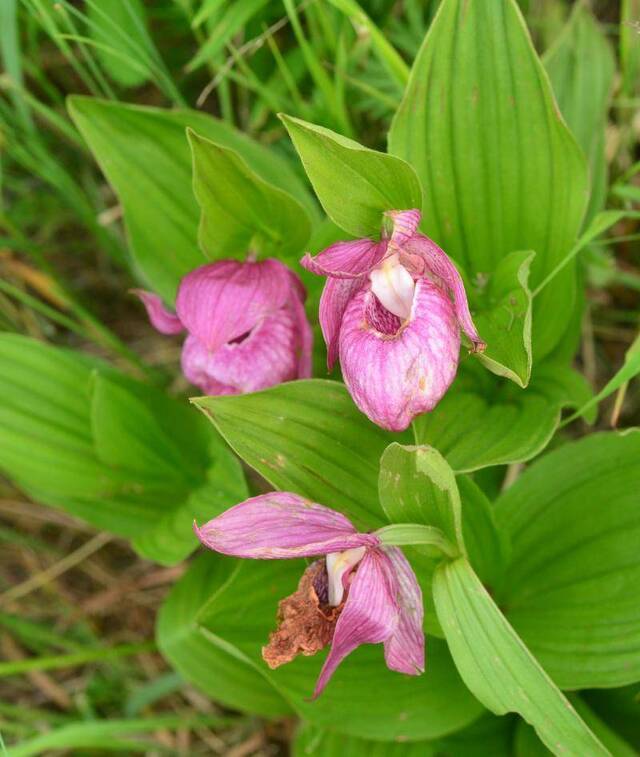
363	592
391	311
246	325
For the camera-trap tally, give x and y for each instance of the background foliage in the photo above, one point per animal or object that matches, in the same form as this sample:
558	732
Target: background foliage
139	140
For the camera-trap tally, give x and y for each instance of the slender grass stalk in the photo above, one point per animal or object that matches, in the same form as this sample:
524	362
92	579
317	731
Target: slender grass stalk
59	662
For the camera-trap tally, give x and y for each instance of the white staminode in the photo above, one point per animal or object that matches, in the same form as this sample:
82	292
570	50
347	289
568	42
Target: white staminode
338	563
393	286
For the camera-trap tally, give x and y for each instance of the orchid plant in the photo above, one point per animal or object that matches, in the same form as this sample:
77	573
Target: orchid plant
385	342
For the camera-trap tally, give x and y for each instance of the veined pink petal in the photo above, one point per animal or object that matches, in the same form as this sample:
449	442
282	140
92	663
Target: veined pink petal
439	266
396	371
405	225
304	346
370	614
162	320
281	525
270	354
221	301
346	260
404	649
334	300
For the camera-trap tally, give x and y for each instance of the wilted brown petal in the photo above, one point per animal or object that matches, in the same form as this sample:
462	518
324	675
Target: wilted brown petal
305	619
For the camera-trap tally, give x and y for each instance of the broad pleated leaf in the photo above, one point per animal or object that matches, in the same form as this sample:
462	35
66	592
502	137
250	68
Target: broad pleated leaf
486	421
581	67
488	735
309	438
77	435
499	168
570	589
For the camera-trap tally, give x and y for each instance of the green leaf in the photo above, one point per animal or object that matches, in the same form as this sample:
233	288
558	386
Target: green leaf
504	319
487	546
498	668
527	743
355	185
145	156
171	538
571	585
235	618
416	485
240	211
414	534
215	668
128	435
487	736
485	421
77	435
499	168
619	709
581	67
307	437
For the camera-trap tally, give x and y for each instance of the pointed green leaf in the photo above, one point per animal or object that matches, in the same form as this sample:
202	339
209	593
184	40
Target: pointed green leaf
239	211
354	184
630	369
498	668
504	319
416	485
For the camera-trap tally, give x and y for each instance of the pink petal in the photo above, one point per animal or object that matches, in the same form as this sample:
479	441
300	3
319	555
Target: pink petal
396	371
270	354
370	614
219	302
334	300
404	649
438	265
405	225
304	348
280	525
162	320
346	260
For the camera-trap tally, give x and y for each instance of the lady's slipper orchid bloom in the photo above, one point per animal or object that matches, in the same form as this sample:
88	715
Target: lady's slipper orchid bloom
391	311
362	592
246	325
